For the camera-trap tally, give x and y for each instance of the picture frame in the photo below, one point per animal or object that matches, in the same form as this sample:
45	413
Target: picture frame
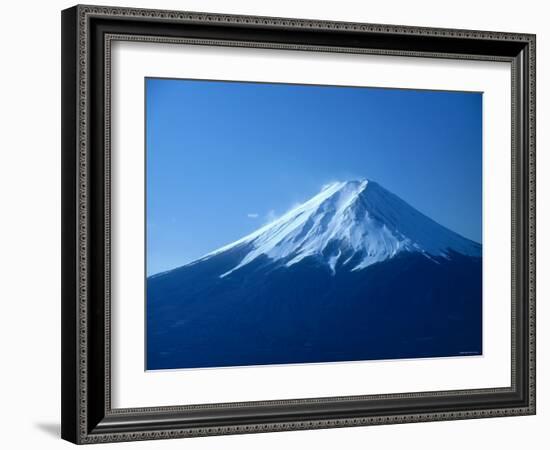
88	415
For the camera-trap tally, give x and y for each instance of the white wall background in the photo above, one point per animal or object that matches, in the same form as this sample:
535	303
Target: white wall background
30	223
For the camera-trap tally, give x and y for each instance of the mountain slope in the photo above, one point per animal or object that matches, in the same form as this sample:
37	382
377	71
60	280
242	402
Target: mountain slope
354	224
354	273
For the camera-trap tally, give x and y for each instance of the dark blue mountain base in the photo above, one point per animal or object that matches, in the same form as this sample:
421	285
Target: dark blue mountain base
409	306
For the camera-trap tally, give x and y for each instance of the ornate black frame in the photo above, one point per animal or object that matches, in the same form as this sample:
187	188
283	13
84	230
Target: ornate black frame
87	416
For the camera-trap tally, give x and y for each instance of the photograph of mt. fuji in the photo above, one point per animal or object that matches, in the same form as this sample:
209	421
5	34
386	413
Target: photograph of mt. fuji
295	224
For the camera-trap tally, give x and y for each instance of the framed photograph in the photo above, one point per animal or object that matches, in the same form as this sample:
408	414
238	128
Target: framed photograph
267	222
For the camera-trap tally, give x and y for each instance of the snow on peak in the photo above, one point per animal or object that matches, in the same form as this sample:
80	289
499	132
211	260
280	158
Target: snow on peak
350	224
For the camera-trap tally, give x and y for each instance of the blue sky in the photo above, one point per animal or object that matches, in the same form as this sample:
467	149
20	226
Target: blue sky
223	158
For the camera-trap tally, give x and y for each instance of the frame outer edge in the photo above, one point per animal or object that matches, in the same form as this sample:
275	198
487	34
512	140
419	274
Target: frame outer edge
69	313
532	143
296	23
83	221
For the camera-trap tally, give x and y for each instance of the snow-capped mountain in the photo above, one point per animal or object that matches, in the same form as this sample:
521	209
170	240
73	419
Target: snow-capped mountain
354	273
352	225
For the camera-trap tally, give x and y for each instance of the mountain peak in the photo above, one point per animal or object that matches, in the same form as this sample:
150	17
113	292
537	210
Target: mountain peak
349	184
350	225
